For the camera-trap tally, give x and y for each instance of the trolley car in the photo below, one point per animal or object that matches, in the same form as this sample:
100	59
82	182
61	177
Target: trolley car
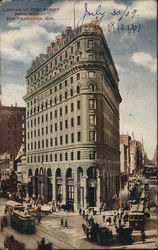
14	206
137	217
23	222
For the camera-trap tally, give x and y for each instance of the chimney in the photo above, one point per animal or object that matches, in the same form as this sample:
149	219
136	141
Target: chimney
52	45
48	49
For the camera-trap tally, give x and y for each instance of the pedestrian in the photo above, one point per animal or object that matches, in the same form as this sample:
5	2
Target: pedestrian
86	217
143	236
100	210
80	211
61	222
83	214
114	220
66	223
103	218
119	221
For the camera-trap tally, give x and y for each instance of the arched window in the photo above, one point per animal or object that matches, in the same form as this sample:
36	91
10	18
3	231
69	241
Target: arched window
91	87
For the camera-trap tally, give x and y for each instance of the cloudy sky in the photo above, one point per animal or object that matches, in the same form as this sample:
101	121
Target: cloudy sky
134	52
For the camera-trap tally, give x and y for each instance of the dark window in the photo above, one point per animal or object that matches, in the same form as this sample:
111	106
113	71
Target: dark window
78	89
55	89
50	91
42	131
66	156
90	43
56	127
50	102
51	128
61	140
72	137
65	83
71	79
60	98
42	118
46	158
65	95
46	130
78	76
60	58
42	143
55	113
72	122
60	111
46	104
38	144
60	125
60	85
78	45
78	120
66	123
71	50
72	107
51	142
71	92
72	156
56	141
51	158
65	54
78	155
51	116
60	156
78	104
66	109
79	136
55	157
66	139
55	100
55	61
38	120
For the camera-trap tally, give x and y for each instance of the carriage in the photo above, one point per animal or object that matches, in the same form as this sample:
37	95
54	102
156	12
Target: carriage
124	234
137	217
11	244
101	235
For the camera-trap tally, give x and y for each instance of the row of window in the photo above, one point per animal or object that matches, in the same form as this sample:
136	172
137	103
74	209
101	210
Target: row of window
58	60
46	143
41	131
42	158
41	120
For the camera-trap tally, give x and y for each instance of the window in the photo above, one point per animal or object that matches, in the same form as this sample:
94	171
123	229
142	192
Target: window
38	120
51	115
72	107
55	113
71	79
51	128
71	92
78	45
60	85
42	118
72	122
78	104
65	95
28	146
66	156
55	89
31	123
78	120
55	100
51	158
46	158
51	142
78	89
66	123
46	104
91	103
60	58
78	76
65	54
91	74
90	43
42	106
92	155
60	156
71	50
50	91
66	109
42	131
55	61
72	156
92	119
65	83
60	111
61	140
38	158
60	125
78	155
56	126
92	135
55	157
60	98
38	144
50	102
91	57
42	143
91	87
34	133
66	139
72	137
28	135
56	141
79	136
78	58
46	130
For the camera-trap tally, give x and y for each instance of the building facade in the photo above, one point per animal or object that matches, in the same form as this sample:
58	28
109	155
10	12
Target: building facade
125	160
12	129
72	124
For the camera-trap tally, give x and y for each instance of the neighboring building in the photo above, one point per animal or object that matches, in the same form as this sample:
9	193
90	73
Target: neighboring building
133	156
12	129
125	149
72	124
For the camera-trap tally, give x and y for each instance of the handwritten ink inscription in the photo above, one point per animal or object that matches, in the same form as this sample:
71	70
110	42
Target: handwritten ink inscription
125	20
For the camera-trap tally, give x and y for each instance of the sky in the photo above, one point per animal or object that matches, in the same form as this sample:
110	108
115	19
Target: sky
130	31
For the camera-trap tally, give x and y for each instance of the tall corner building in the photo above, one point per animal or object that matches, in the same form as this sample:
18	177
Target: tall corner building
72	129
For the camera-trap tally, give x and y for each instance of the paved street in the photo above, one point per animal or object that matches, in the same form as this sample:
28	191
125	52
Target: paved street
73	237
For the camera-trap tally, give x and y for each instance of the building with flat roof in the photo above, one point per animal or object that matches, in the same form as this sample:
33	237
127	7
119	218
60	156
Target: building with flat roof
72	123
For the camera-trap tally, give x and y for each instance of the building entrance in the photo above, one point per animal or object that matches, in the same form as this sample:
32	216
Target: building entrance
92	196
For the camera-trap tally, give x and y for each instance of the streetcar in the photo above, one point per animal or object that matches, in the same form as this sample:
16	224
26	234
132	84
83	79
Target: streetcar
137	217
23	222
13	206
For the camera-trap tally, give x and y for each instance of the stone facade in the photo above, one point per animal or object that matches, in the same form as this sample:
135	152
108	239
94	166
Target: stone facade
72	125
